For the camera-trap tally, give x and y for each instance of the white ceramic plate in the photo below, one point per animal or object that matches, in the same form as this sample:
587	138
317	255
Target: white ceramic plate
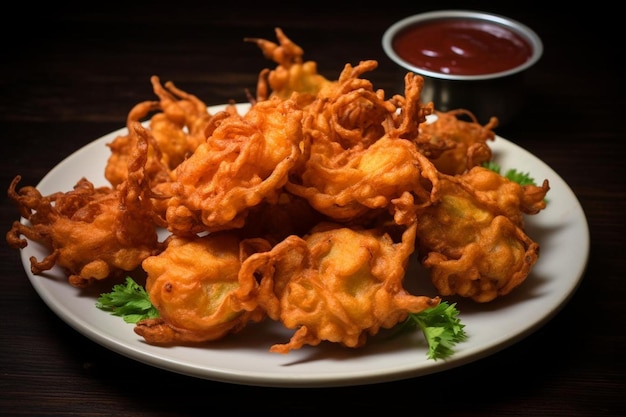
561	229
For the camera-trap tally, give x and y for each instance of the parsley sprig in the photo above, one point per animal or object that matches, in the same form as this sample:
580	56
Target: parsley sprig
522	178
441	327
129	301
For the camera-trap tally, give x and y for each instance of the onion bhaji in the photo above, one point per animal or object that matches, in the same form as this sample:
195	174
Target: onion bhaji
92	233
463	143
304	210
244	162
358	159
292	73
337	284
472	240
177	124
196	286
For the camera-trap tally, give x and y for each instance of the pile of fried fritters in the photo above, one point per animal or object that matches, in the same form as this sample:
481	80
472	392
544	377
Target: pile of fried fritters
305	209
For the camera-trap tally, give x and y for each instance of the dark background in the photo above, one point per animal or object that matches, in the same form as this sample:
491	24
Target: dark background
71	74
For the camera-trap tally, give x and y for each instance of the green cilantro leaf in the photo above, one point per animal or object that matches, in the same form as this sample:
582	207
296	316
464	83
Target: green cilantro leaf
522	178
492	165
129	301
441	327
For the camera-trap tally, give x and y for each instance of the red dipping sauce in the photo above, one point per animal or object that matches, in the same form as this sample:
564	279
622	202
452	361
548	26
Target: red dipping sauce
462	47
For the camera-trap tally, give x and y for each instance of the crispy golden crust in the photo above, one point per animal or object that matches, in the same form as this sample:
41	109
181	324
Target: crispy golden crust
472	237
92	233
243	163
337	284
196	286
463	143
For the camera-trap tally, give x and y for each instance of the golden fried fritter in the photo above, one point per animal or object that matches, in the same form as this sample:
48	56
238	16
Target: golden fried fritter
359	159
196	287
93	233
336	284
244	162
511	198
291	74
463	142
472	241
177	124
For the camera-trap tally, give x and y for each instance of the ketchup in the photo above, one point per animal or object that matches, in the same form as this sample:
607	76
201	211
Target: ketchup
462	47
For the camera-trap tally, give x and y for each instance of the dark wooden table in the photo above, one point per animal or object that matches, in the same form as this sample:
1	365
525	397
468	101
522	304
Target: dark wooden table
70	76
